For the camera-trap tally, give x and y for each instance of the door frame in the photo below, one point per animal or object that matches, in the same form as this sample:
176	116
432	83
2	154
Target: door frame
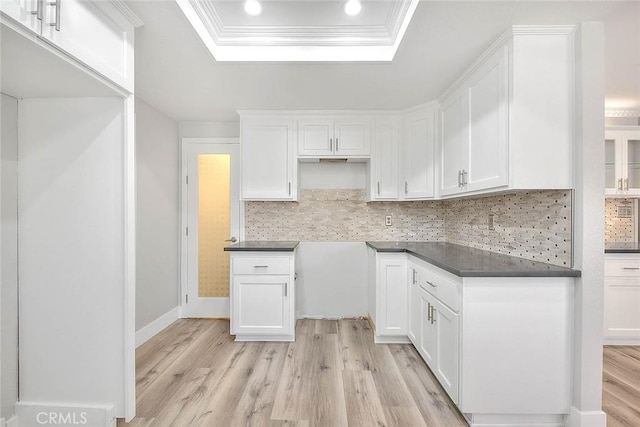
185	142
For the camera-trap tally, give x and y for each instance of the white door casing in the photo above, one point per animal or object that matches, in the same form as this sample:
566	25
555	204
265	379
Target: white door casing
192	304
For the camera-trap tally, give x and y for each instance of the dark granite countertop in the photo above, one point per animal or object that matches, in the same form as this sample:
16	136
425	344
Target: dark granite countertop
622	248
469	262
262	246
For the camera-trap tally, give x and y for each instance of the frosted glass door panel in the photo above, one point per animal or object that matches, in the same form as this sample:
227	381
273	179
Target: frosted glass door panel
213	224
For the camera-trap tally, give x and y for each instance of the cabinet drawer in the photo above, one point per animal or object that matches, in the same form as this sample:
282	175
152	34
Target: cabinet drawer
622	267
258	265
440	286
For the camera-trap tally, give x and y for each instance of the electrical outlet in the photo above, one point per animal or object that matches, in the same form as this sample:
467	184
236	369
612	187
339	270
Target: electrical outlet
491	223
387	220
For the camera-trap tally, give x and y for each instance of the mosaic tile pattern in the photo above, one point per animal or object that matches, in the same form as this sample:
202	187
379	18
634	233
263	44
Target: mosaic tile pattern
617	229
533	225
342	215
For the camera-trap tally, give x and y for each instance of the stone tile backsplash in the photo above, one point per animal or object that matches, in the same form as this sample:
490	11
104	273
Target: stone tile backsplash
534	225
342	215
618	229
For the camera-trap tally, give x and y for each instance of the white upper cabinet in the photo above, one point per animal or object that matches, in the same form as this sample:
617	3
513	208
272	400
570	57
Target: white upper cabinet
622	161
510	116
96	34
28	13
383	167
334	137
418	153
268	161
474	131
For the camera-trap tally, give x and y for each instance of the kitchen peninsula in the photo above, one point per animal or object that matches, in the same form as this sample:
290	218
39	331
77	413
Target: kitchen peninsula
480	320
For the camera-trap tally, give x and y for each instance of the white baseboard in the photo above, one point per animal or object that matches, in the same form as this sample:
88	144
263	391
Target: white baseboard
38	414
577	418
622	341
149	331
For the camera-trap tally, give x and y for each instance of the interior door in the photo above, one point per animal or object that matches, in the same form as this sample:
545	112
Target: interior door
211	221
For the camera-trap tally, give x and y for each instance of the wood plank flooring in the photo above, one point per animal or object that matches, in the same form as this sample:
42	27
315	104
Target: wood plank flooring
621	386
194	374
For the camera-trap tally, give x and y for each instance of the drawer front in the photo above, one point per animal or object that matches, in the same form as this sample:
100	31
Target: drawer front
440	286
622	267
259	265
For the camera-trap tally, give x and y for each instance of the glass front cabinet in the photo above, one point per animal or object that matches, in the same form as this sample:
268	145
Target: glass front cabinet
622	161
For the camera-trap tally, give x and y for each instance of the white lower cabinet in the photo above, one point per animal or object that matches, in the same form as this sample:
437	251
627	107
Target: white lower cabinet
500	346
622	299
262	297
390	286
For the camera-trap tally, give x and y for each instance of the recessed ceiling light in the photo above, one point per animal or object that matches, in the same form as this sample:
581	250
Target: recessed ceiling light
352	7
252	7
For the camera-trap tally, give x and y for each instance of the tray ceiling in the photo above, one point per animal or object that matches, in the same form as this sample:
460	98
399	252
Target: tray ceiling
300	30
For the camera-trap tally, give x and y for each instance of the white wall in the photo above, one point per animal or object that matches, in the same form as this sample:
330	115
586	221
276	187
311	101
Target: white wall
9	250
158	215
589	228
72	217
332	279
209	129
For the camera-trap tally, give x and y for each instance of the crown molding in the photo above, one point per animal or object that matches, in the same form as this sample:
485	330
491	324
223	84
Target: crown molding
126	11
622	112
299	43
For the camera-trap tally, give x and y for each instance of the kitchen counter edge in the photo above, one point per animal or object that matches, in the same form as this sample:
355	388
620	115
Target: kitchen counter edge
509	266
263	246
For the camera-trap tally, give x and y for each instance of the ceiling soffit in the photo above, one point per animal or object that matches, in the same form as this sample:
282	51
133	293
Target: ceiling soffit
294	35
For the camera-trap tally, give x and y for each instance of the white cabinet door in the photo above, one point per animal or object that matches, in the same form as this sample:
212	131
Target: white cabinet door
414	308
622	161
392	296
612	163
622	307
261	305
631	162
103	42
486	152
315	137
447	326
352	137
25	12
384	161
268	164
418	154
452	136
428	333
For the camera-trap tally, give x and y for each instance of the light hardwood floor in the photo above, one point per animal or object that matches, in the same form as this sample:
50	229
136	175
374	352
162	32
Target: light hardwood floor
193	374
621	386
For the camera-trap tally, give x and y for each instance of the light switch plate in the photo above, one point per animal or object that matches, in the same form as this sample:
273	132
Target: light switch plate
387	220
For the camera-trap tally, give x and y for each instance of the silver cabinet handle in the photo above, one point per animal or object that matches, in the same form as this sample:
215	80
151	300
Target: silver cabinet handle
433	314
626	184
620	184
464	177
336	145
289	187
331	144
57	5
38	11
406	187
413	276
260	266
378	188
286	285
429	311
232	240
431	284
460	178
631	268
